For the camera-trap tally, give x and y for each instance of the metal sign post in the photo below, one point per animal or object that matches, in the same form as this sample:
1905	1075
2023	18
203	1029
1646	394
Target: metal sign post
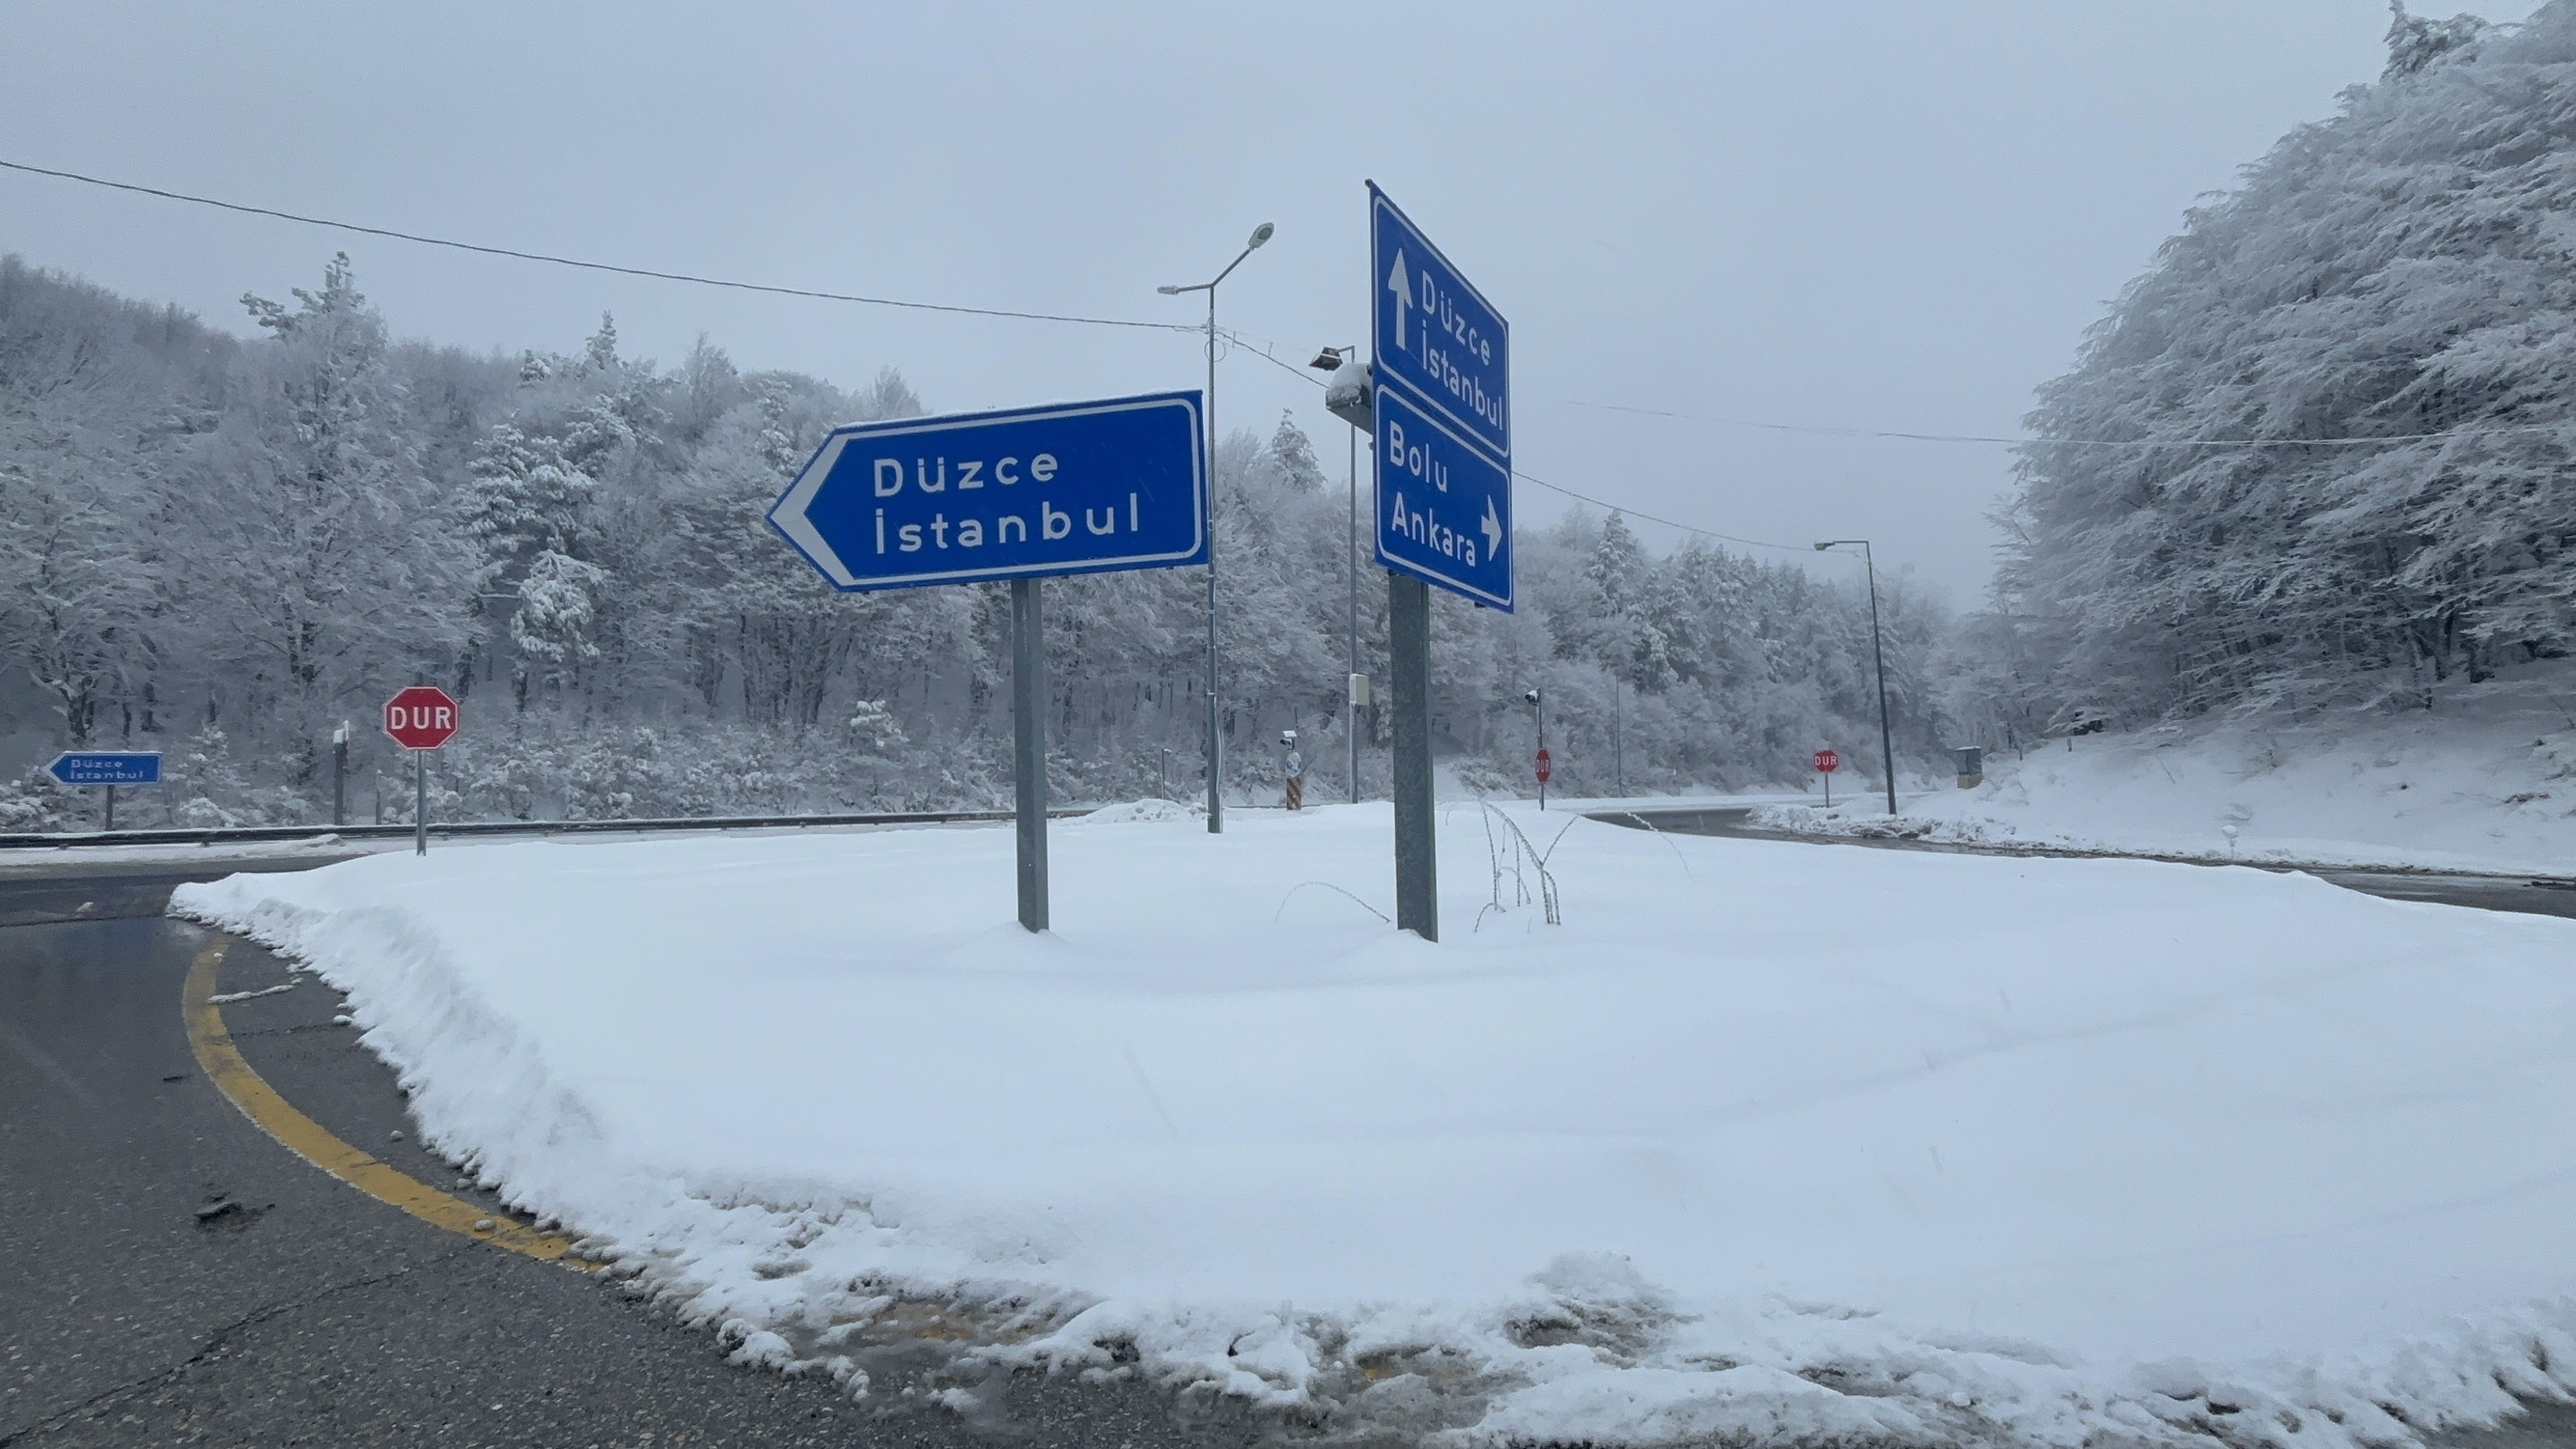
1417	859
1028	747
1020	494
340	774
1440	364
420	802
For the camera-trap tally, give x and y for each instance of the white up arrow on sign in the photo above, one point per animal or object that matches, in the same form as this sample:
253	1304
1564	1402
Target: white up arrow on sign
1401	284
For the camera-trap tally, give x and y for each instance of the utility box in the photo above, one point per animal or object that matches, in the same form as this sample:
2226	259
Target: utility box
1972	766
1359	691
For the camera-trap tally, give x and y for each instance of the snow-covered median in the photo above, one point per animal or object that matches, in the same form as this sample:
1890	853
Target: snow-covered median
1764	1138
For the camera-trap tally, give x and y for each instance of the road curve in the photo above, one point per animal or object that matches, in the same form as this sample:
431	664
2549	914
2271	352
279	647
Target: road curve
170	1273
2517	893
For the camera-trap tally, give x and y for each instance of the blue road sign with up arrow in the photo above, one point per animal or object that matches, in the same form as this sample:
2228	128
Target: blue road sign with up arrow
1073	488
107	767
1444	421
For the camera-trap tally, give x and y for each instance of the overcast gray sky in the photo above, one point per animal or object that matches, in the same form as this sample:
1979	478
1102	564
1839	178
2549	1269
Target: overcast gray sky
1869	215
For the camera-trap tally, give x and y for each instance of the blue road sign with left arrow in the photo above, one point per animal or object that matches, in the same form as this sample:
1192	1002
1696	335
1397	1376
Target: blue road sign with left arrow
107	767
1073	488
1444	422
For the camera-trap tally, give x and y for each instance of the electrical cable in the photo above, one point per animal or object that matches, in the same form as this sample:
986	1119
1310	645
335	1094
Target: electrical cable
1235	338
2084	442
524	256
1657	518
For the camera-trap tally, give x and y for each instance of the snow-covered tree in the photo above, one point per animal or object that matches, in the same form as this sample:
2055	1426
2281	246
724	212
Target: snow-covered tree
2318	452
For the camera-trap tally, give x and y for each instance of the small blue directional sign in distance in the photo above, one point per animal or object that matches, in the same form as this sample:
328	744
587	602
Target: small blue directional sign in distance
108	767
1072	488
1444	419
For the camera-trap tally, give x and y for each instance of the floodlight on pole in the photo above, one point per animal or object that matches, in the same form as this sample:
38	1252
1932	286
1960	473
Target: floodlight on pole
1215	741
1878	652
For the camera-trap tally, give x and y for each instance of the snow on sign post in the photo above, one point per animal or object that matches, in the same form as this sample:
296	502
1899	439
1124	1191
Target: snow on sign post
1826	763
1441	366
421	719
1020	494
110	768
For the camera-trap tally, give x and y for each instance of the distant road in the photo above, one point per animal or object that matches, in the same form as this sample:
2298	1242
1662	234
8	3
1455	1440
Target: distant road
2519	893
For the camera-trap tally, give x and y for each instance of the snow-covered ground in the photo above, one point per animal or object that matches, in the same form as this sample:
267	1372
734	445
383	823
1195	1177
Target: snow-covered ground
1763	1138
2485	781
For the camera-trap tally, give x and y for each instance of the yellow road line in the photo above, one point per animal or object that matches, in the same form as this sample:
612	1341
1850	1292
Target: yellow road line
309	1140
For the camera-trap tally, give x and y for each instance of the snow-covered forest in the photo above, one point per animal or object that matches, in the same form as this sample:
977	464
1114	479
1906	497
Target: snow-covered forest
222	547
2197	527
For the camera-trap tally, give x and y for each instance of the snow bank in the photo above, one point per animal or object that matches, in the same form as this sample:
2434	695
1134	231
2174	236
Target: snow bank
1765	1139
2486	781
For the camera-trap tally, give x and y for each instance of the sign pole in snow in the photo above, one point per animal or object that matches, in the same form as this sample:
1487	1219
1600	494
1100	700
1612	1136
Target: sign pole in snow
1019	494
1417	860
1028	747
1827	761
1440	366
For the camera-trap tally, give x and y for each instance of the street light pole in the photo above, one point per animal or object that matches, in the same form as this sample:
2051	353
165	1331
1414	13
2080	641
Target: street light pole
1215	742
1333	360
1878	652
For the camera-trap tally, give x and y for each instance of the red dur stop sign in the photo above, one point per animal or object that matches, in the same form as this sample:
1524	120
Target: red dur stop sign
1828	762
422	717
1545	767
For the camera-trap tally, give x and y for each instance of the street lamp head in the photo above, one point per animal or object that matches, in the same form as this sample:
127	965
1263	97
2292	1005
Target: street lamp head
1327	359
1531	697
1820	548
1260	234
1169	291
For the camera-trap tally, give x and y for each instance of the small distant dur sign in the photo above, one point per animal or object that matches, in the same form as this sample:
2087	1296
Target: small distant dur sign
1073	488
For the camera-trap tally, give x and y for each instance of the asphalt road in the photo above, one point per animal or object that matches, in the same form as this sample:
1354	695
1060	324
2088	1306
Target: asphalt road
137	1308
308	1313
2483	892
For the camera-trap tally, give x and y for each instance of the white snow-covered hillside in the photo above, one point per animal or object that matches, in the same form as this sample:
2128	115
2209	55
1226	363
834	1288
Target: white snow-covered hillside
1764	1139
2485	781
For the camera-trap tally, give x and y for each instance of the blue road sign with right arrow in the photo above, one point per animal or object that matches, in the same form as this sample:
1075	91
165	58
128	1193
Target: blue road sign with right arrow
1444	419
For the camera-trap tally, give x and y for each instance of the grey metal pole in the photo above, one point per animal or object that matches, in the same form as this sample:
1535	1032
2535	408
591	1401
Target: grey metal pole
1215	741
1542	747
420	802
111	807
340	777
1028	747
1417	871
1351	567
1886	741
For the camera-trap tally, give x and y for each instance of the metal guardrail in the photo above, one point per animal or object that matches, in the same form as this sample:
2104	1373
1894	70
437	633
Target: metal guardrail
251	834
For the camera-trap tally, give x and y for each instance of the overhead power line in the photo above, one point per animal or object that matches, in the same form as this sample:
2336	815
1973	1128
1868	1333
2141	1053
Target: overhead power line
2083	442
1657	518
518	254
624	271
